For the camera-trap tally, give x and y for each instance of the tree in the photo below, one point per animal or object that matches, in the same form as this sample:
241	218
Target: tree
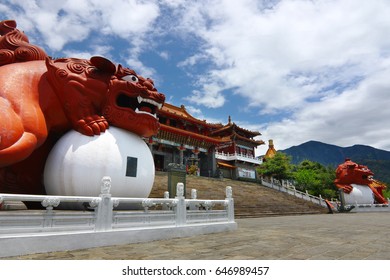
315	178
278	167
306	179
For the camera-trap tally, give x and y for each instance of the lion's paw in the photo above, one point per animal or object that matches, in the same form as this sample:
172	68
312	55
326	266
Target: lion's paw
93	125
347	189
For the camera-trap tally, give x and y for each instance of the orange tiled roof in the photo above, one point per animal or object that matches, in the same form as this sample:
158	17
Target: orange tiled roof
216	134
181	112
187	137
234	127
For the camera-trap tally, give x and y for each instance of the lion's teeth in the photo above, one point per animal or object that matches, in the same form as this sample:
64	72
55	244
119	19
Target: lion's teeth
150	101
147	113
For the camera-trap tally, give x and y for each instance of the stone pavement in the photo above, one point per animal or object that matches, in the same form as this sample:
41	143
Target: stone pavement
352	236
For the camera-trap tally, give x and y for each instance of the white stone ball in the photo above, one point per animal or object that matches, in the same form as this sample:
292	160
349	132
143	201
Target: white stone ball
360	194
77	164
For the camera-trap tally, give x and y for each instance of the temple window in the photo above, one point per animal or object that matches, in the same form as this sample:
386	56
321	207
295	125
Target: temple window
162	120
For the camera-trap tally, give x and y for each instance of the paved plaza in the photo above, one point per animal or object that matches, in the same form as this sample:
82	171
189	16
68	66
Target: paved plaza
352	236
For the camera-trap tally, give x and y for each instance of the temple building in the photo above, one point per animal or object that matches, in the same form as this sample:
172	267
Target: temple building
215	149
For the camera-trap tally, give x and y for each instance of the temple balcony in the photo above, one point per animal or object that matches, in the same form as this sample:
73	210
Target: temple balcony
236	156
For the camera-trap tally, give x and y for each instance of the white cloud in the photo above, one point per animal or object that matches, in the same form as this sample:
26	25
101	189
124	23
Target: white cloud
194	111
358	116
53	22
192	60
164	55
126	18
61	22
173	3
211	98
197	113
257	52
139	67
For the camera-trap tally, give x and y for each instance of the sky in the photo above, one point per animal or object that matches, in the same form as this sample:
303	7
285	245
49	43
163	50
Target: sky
293	70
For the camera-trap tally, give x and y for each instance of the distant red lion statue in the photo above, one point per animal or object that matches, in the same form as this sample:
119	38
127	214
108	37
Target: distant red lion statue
41	99
350	173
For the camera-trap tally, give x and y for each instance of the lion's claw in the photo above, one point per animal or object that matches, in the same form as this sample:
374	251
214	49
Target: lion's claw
93	125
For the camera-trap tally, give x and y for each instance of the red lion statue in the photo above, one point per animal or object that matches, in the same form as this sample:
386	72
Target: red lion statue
41	99
350	173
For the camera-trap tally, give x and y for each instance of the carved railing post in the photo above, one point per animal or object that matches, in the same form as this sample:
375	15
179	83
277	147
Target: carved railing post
230	203
166	206
147	203
49	204
103	212
181	208
194	195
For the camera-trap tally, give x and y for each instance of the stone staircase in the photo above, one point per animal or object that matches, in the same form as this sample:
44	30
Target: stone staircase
250	199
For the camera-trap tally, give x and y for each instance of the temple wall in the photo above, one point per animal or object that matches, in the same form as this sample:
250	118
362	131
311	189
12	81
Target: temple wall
245	171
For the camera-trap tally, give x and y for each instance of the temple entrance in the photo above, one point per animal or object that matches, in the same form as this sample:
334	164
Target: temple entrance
159	162
227	170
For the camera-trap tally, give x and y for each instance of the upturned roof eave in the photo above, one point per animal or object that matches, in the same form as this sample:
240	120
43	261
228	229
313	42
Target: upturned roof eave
212	140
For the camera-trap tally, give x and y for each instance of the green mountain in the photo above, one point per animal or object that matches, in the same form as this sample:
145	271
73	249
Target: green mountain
331	155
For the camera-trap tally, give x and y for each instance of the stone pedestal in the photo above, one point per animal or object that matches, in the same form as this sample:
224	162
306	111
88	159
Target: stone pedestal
176	174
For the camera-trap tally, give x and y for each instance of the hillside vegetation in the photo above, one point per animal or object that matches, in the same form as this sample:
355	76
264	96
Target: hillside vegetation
378	161
250	199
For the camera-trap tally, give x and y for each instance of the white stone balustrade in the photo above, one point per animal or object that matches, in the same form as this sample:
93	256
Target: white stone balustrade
106	217
237	156
108	220
286	187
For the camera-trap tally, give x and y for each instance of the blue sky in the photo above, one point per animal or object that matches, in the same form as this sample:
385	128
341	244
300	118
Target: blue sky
294	70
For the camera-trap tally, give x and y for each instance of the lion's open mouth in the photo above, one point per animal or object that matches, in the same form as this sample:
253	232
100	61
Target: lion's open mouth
138	104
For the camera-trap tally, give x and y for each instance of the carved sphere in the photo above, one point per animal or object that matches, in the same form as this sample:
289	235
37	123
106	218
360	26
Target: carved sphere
77	164
360	194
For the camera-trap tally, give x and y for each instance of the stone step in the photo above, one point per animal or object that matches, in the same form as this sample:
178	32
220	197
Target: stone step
250	199
243	215
13	205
